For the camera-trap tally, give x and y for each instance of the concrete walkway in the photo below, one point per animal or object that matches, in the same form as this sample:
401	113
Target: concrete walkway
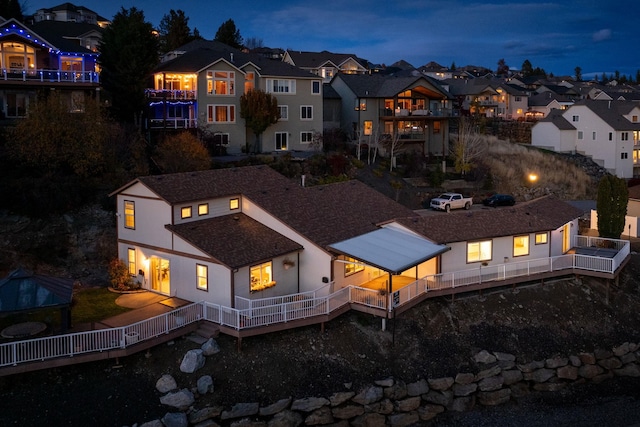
144	305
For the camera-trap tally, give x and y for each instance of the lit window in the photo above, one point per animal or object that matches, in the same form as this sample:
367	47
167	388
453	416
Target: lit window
520	245
129	214
479	251
541	238
221	82
248	82
202	277
306	137
234	204
221	113
315	87
352	266
281	140
306	112
261	277
368	127
436	127
284	112
131	259
186	212
361	105
203	209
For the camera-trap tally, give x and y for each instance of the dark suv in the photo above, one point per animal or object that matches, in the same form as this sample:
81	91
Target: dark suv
499	200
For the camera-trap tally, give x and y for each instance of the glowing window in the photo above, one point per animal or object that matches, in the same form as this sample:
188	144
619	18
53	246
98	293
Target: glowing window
186	212
479	251
261	277
129	214
520	245
203	209
131	259
202	277
368	127
352	266
542	238
234	204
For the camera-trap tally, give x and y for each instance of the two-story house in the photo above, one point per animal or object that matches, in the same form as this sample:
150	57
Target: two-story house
42	57
415	109
606	131
474	96
326	64
201	88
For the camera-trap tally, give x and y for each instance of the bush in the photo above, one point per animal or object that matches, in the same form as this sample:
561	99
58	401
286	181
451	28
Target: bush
119	276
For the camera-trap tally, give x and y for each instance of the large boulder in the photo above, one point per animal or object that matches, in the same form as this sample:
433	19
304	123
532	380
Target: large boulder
205	384
175	419
180	399
166	383
192	361
210	347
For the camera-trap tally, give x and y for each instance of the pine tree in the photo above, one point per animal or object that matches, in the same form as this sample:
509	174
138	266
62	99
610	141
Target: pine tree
613	197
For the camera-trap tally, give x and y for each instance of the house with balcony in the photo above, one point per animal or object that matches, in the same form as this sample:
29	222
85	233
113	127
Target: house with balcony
326	64
42	58
201	89
474	96
415	109
68	12
606	131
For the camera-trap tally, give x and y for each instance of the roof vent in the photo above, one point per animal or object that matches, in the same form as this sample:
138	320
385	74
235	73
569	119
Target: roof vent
231	54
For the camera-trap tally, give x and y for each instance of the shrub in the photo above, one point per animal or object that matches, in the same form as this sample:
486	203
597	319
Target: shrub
119	276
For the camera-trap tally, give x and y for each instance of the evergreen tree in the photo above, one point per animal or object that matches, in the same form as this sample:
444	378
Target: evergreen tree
613	196
174	31
503	68
527	68
228	34
578	72
128	54
259	110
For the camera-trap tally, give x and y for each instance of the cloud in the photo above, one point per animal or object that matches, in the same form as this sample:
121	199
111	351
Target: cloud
601	35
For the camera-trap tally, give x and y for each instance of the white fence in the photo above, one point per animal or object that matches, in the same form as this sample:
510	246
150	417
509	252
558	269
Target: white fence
264	312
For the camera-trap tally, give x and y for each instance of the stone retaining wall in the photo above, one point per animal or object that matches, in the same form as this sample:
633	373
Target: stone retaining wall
392	402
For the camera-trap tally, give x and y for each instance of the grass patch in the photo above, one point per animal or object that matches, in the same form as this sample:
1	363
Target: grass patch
94	304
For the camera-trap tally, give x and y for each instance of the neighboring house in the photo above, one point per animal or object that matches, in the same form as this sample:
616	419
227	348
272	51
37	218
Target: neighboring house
632	219
554	127
606	131
541	104
513	101
230	235
415	109
326	64
42	57
436	71
202	86
474	96
68	12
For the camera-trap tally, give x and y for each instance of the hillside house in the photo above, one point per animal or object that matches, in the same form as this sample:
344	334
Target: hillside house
326	64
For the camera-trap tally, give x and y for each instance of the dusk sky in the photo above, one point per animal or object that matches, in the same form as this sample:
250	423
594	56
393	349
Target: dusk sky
597	35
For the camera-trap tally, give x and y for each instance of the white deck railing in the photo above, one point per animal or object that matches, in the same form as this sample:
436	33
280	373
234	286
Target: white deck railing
256	313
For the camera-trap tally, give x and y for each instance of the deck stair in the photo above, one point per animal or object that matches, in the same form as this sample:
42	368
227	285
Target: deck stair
208	330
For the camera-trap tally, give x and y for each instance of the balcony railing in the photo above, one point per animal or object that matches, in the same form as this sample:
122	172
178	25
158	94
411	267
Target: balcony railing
172	123
162	94
55	76
416	114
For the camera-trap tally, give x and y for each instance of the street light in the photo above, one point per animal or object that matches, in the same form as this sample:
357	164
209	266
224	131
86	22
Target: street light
533	178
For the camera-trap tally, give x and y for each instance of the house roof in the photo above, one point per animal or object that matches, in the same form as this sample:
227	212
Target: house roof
389	249
65	35
304	59
235	240
545	98
21	290
381	86
202	53
542	214
611	112
324	214
556	117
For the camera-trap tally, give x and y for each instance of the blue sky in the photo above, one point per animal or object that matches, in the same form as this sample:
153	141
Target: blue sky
597	35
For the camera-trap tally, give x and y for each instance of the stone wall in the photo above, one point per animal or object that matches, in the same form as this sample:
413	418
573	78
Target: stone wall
499	377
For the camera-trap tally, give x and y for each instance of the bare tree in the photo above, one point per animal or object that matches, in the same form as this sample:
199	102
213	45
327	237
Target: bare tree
467	146
394	143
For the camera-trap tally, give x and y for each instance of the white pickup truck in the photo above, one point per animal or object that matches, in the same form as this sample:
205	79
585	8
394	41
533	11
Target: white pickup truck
447	201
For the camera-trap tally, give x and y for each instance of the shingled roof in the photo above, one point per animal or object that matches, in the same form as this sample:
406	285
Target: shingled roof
611	112
235	240
542	214
555	116
65	35
318	59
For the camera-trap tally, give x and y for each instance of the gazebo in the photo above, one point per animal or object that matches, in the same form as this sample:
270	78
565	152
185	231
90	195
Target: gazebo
22	291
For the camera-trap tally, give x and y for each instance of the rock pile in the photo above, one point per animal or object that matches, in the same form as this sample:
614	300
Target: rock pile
392	402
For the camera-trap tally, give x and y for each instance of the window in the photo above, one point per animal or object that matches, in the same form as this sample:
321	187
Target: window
520	245
131	261
249	82
624	136
518	98
129	214
306	137
634	119
221	113
306	112
315	87
361	105
575	118
203	209
436	127
542	238
610	136
624	156
479	251
281	86
352	266
185	212
202	277
368	127
234	204
579	134
281	140
261	277
221	82
593	136
284	112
